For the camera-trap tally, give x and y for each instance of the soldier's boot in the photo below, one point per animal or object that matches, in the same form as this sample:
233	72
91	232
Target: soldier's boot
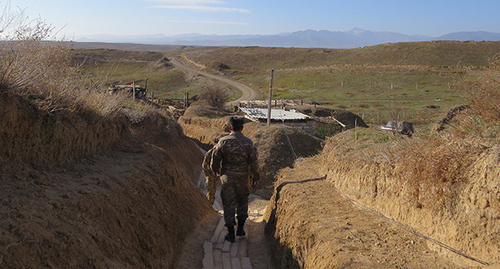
230	234
241	225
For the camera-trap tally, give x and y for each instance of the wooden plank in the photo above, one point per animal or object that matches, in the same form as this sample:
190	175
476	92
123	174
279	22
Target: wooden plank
217	259
222	235
235	263
208	260
245	263
234	248
218	231
227	246
242	250
226	261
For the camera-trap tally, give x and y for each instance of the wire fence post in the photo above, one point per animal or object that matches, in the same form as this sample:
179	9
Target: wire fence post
133	90
270	99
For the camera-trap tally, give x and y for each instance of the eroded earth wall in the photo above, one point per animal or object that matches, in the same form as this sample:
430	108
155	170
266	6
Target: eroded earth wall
454	200
466	216
80	191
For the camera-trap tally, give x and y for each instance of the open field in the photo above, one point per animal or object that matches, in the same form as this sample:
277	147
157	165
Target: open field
422	79
110	67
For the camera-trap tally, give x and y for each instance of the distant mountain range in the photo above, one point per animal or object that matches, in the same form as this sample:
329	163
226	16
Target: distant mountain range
302	39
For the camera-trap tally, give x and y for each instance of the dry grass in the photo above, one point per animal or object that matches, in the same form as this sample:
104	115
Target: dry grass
42	70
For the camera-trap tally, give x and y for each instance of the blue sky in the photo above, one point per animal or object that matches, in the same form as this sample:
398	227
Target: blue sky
172	17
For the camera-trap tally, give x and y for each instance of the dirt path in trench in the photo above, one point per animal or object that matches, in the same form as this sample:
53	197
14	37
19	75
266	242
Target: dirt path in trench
251	250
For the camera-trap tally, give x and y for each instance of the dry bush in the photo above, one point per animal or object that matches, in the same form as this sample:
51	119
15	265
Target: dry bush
32	66
479	123
28	64
432	168
214	94
484	96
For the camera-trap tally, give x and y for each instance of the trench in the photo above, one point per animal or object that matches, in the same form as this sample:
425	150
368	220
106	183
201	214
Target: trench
206	247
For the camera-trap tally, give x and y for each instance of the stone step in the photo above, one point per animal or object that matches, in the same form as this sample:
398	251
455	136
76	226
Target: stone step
222	254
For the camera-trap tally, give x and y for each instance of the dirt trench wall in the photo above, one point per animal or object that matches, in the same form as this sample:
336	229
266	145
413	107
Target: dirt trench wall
30	135
467	218
204	129
108	205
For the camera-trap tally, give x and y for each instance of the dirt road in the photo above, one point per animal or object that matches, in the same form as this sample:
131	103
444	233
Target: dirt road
247	93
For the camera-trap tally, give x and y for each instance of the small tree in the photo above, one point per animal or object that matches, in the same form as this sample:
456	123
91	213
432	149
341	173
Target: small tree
214	94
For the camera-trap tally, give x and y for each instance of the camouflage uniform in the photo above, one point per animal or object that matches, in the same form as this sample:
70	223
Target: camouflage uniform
211	178
236	159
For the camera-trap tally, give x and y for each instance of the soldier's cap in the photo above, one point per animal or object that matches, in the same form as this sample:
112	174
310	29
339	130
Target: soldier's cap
236	120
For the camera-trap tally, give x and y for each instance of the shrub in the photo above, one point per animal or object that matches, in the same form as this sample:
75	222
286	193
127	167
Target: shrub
32	66
214	94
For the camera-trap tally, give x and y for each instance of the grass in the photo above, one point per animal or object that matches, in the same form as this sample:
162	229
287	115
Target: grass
422	80
124	67
417	82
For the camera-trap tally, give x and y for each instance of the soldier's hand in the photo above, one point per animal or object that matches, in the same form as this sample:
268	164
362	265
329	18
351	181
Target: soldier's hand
255	184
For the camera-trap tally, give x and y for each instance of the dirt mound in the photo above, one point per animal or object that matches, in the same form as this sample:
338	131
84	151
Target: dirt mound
163	63
348	118
449	117
107	193
278	147
202	109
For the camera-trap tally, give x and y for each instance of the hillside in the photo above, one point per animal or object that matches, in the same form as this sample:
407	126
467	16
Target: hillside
412	81
433	53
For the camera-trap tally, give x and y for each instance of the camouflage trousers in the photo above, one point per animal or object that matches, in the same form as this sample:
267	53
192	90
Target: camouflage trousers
234	194
211	180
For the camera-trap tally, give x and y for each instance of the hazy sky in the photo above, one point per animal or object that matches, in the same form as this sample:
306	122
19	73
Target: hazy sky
172	17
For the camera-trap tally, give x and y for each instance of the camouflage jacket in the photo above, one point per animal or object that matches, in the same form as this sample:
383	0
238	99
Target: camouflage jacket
235	154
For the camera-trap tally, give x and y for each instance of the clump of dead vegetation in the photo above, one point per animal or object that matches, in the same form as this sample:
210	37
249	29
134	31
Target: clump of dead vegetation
41	70
214	94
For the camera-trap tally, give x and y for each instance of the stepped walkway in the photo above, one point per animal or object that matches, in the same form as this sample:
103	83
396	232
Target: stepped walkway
222	254
247	252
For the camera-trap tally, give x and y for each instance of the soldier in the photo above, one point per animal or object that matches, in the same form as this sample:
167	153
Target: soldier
211	177
235	159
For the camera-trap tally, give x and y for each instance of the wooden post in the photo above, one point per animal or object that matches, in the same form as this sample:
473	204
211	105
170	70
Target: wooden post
187	99
355	126
133	90
270	99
